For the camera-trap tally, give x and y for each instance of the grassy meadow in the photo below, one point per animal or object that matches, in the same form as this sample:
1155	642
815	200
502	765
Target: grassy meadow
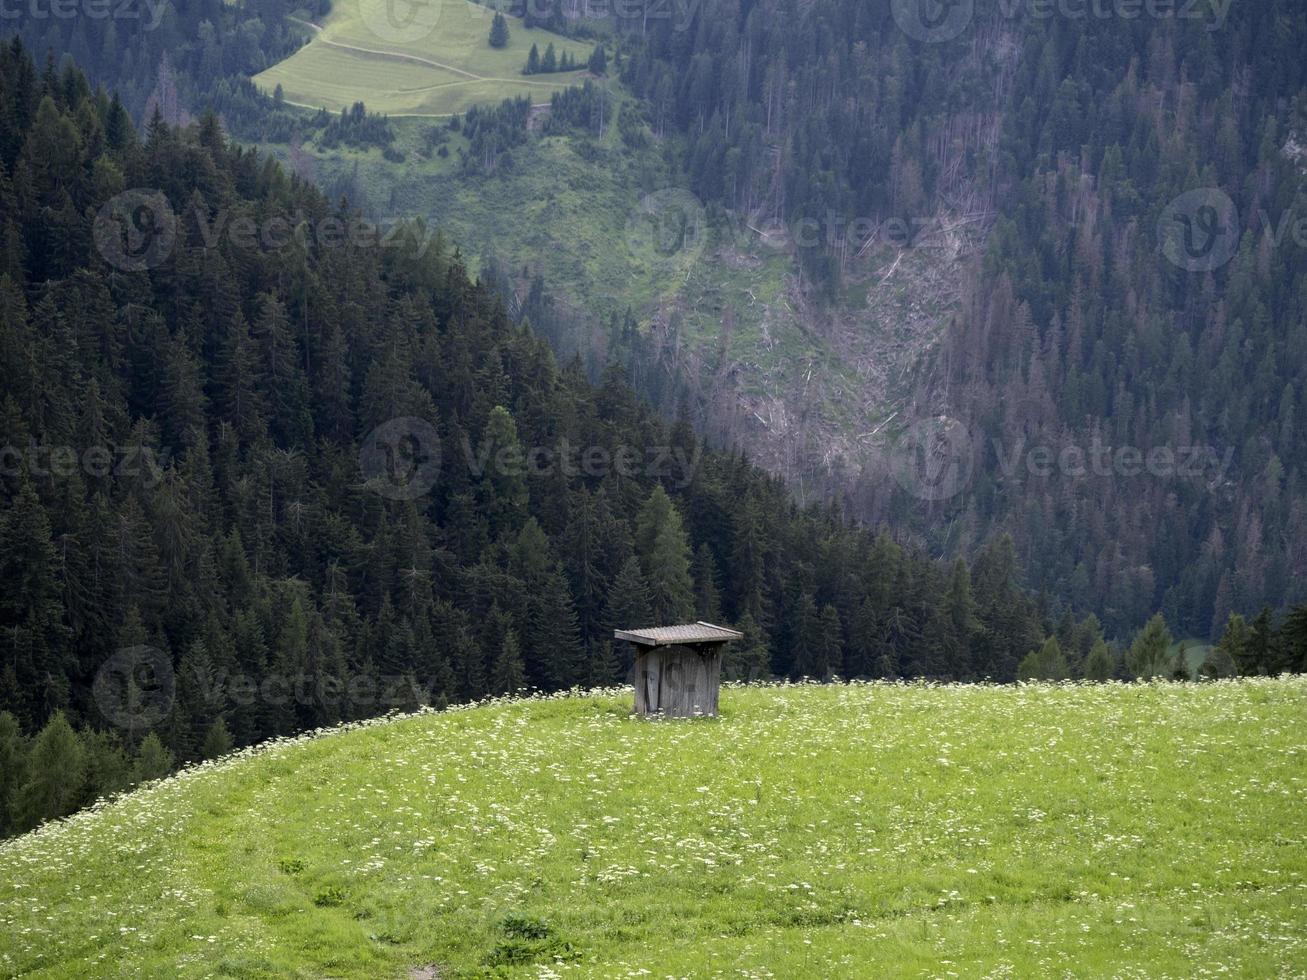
865	830
427	59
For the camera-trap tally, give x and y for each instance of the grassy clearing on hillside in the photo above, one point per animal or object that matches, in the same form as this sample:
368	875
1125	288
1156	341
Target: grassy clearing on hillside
864	830
426	60
565	210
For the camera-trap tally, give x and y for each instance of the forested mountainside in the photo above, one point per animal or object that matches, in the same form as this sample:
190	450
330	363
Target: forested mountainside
251	442
1075	136
1077	143
177	58
1097	318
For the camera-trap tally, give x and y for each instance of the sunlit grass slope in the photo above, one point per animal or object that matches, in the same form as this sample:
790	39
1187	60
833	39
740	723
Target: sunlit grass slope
813	831
428	59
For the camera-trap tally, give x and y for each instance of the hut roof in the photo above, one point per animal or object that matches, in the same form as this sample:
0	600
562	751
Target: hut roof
689	634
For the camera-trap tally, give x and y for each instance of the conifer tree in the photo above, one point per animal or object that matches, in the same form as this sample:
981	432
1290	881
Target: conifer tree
806	644
1235	644
555	640
830	642
749	658
238	397
707	596
153	760
602	664
628	605
1150	652
1218	665
507	675
12	768
1293	637
664	552
107	769
1100	665
498	31
217	740
503	491
54	774
1045	664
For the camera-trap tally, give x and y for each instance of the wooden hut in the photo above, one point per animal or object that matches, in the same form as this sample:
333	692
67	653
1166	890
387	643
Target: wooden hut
678	668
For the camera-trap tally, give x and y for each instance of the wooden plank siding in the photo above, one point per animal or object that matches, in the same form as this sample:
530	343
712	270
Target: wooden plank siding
677	681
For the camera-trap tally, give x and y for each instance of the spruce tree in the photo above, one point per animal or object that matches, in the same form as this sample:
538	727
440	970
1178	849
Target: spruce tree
1045	664
602	663
507	675
555	640
217	740
499	31
664	552
1218	665
1100	665
153	760
1150	652
707	595
107	768
806	645
748	659
1235	643
12	768
830	643
503	489
54	774
532	61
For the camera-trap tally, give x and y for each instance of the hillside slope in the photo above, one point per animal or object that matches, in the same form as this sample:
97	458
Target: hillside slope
860	830
436	62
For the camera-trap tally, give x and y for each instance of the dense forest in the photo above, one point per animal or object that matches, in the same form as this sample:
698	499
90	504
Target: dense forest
202	463
173	57
1066	137
1069	137
1081	328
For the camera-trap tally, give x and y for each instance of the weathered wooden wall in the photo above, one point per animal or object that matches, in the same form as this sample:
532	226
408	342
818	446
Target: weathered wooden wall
678	682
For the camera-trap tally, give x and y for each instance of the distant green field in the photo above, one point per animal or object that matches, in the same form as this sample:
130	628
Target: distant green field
429	59
1148	830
